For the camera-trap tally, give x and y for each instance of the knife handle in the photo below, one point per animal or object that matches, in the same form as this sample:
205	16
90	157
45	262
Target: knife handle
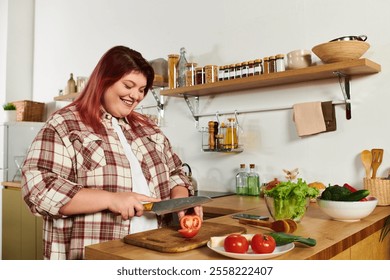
148	206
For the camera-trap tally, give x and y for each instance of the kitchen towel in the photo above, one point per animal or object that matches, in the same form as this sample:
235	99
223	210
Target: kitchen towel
308	118
329	113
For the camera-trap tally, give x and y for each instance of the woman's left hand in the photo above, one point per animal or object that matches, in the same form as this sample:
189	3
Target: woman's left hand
198	210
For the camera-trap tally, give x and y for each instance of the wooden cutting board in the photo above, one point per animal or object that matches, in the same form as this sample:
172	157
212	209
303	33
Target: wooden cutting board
169	240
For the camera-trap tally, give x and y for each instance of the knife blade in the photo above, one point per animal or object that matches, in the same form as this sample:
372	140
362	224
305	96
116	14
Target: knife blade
175	204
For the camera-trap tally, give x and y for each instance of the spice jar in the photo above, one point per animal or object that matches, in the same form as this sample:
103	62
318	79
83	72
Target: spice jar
237	69
258	66
244	69
266	65
251	68
172	62
271	65
211	73
280	67
190	73
226	73
232	71
199	75
221	73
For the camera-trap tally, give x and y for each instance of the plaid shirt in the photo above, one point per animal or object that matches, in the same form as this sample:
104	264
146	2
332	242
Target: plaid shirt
66	156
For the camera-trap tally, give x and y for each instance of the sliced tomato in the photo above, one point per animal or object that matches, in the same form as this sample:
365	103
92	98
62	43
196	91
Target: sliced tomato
188	233
190	225
263	244
193	222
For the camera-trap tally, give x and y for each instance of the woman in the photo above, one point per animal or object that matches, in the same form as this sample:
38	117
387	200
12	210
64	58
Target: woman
96	161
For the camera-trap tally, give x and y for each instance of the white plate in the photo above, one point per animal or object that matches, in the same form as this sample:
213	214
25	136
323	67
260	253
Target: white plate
279	250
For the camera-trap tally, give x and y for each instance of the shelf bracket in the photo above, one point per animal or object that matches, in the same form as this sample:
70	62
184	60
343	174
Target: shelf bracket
159	99
345	89
194	107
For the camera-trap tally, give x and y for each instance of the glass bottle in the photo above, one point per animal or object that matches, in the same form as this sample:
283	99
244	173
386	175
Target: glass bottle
172	62
181	68
253	181
71	85
280	67
242	181
231	139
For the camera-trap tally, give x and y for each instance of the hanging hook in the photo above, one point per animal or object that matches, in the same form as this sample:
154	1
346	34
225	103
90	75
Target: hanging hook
142	109
217	116
236	117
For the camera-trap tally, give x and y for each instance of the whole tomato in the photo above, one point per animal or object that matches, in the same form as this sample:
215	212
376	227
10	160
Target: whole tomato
190	225
263	244
236	243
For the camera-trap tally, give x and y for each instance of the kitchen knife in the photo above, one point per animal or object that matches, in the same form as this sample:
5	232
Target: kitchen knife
175	204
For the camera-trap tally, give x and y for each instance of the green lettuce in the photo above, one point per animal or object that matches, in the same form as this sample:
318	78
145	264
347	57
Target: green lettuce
290	199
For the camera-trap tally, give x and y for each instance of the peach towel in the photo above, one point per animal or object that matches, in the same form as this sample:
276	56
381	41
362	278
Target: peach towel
308	118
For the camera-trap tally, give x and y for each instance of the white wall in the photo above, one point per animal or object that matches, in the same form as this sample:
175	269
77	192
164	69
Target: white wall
71	35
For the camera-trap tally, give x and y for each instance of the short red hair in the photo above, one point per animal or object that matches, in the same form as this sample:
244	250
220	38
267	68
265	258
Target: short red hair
114	64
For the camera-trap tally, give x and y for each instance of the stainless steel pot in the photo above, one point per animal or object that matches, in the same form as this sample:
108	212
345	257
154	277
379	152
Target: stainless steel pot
351	38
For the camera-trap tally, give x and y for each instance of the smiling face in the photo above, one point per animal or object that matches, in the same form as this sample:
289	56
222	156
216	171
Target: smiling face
124	95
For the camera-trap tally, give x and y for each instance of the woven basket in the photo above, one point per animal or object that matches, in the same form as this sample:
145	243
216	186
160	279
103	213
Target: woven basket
379	188
29	111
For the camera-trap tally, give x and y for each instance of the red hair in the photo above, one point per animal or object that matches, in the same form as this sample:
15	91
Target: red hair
114	64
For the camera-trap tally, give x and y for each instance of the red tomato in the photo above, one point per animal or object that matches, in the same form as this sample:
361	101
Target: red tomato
263	244
188	233
190	225
236	243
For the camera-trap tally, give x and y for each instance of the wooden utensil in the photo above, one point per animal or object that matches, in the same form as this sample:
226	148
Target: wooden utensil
286	225
377	155
366	158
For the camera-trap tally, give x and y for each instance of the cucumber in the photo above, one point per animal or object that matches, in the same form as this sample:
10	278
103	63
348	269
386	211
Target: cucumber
356	196
282	238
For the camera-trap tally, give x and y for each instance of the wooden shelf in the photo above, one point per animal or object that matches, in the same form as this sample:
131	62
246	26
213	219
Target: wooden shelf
158	82
318	72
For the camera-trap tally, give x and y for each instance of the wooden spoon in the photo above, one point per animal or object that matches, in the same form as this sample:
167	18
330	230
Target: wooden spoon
377	155
366	158
277	226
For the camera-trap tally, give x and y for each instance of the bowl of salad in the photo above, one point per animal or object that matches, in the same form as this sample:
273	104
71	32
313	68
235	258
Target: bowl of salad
289	200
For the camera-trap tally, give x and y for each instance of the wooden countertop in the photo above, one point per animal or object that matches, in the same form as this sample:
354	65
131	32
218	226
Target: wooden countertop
333	237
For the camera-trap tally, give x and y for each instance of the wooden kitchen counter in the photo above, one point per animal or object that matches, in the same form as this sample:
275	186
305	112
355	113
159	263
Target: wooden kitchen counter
335	240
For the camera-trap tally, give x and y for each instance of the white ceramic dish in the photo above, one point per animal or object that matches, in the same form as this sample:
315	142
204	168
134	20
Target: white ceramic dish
348	211
250	255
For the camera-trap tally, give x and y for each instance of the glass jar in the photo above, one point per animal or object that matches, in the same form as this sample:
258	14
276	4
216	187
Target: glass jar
190	74
211	73
199	75
266	65
221	73
226	74
237	69
258	66
244	69
231	139
271	65
280	67
251	68
232	71
172	62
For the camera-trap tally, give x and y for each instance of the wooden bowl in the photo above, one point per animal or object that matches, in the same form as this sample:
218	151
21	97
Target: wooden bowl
340	50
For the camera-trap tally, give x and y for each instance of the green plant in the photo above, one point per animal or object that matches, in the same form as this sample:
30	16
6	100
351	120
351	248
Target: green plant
9	107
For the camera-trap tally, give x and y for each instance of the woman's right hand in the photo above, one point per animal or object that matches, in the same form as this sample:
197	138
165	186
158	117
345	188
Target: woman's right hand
129	204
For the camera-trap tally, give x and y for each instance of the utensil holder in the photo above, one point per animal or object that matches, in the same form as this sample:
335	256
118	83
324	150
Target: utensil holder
379	188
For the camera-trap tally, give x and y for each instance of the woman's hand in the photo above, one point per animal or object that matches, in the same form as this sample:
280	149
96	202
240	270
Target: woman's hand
198	210
129	204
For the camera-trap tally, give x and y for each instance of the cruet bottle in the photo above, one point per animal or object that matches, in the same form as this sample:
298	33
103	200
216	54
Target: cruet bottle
181	68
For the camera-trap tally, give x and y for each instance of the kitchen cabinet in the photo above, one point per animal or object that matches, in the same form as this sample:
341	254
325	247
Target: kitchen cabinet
341	70
22	231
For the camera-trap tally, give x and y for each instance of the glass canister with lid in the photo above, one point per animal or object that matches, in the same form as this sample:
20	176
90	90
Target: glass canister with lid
190	73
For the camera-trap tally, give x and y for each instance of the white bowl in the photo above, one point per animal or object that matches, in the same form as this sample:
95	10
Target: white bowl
348	211
298	59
